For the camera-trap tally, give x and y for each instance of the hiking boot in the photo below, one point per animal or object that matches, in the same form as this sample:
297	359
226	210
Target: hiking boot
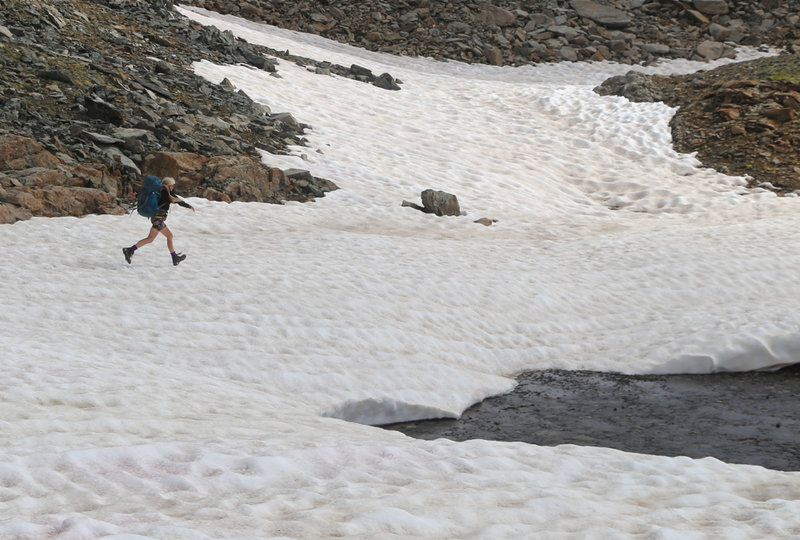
177	258
128	252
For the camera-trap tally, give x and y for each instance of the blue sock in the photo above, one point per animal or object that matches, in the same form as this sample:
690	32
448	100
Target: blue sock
133	247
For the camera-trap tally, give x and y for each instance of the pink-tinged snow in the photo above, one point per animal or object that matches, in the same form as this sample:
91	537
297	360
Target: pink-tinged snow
231	397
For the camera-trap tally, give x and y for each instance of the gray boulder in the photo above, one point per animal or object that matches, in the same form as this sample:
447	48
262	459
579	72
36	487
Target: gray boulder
494	15
607	16
386	81
633	85
712	50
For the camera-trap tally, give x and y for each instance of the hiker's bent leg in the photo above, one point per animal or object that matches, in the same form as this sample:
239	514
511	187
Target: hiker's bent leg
150	238
168	233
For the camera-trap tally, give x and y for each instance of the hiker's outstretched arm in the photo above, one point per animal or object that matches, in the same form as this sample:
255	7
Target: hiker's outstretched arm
181	202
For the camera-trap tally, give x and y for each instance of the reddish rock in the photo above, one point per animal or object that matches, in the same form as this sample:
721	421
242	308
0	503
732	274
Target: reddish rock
17	153
729	113
37	183
40	176
213	195
185	167
738	129
780	114
54	201
10	213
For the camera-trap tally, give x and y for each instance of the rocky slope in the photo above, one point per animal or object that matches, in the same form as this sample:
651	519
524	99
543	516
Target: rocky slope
516	32
95	93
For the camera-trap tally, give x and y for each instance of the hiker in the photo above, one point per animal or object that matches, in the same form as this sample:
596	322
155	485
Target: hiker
165	198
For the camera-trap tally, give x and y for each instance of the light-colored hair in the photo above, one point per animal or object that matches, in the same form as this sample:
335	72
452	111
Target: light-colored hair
169	181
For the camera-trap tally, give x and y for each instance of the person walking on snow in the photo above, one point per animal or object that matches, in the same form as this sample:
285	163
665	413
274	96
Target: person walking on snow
165	198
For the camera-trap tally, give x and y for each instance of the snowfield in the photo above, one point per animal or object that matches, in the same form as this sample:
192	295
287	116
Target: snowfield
234	396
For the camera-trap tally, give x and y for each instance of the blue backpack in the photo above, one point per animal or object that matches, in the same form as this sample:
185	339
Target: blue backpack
147	197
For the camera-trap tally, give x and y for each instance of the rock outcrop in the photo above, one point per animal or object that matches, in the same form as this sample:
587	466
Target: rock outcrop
234	178
34	182
91	90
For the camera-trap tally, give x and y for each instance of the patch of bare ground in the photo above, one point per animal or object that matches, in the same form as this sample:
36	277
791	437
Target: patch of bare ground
741	119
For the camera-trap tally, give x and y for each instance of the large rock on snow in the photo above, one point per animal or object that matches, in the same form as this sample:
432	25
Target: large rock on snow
634	85
440	203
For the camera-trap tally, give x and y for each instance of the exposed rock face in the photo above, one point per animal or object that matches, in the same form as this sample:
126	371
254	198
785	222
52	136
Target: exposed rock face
37	183
18	153
234	178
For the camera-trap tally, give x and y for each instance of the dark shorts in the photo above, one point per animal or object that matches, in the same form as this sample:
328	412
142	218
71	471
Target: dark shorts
158	222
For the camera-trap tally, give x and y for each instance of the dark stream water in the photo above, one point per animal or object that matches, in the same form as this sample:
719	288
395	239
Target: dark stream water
751	418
